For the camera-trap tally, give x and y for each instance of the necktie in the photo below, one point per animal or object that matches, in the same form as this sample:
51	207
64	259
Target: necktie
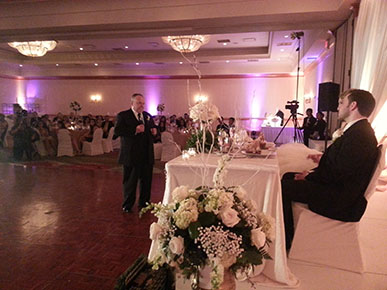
139	118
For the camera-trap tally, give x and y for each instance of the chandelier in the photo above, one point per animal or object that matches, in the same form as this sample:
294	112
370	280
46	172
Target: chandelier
186	43
34	48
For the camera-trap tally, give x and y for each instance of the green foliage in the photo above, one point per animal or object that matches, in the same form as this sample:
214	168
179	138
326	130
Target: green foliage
207	218
198	137
193	230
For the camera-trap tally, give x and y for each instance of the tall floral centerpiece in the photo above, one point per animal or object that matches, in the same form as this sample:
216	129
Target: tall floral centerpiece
75	106
203	138
160	108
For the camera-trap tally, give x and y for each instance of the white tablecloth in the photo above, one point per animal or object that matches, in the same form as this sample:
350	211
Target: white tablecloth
287	135
264	188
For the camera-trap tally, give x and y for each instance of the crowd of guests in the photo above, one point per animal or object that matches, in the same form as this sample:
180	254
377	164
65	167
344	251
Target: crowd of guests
26	129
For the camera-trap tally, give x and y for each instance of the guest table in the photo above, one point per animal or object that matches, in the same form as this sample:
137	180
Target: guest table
260	177
287	135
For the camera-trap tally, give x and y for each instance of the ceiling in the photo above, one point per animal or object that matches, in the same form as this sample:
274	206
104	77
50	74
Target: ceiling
124	37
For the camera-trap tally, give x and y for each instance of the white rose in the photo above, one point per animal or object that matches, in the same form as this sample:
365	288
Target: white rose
154	231
176	245
229	217
180	193
258	238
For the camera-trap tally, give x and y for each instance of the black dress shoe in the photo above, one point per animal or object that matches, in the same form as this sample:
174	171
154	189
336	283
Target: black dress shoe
127	210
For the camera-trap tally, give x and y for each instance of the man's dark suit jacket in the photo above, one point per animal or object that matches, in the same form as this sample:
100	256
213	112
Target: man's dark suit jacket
343	174
135	148
309	125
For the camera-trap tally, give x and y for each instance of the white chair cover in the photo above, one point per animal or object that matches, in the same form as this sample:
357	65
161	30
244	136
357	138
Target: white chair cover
157	148
324	241
116	143
107	142
95	146
65	148
170	149
39	145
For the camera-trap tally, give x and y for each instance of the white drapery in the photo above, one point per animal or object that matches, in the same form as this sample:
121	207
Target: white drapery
369	69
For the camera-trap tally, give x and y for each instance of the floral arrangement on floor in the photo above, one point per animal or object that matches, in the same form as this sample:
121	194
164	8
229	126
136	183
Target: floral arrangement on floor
217	227
75	106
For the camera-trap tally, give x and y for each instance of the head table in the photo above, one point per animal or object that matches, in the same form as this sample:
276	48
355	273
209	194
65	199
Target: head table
260	178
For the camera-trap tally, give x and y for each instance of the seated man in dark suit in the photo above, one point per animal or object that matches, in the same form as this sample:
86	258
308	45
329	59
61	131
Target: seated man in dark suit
319	127
308	125
335	189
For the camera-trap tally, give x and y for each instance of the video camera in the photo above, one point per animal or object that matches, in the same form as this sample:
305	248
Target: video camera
293	106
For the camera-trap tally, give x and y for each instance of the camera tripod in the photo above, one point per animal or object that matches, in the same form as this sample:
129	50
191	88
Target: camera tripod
297	135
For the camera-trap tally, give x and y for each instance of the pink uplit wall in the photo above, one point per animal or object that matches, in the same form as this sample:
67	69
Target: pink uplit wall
11	91
238	97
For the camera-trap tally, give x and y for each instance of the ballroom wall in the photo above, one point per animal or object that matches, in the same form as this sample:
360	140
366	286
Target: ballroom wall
11	91
319	72
240	97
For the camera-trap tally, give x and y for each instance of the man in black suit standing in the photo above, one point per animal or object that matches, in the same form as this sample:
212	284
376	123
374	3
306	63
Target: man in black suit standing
136	127
308	125
335	189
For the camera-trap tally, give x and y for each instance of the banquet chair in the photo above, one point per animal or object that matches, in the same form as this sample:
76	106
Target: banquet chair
324	241
169	149
65	147
157	149
107	142
40	146
95	146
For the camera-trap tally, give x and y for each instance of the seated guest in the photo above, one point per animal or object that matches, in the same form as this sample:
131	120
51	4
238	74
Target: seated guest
3	129
308	125
46	139
319	127
89	135
107	125
162	127
231	122
180	123
335	189
222	126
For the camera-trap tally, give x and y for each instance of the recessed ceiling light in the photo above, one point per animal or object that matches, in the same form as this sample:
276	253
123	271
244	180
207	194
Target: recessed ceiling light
57	64
227	61
286	36
96	64
126	46
282	50
137	63
81	48
20	65
180	62
278	59
224	43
